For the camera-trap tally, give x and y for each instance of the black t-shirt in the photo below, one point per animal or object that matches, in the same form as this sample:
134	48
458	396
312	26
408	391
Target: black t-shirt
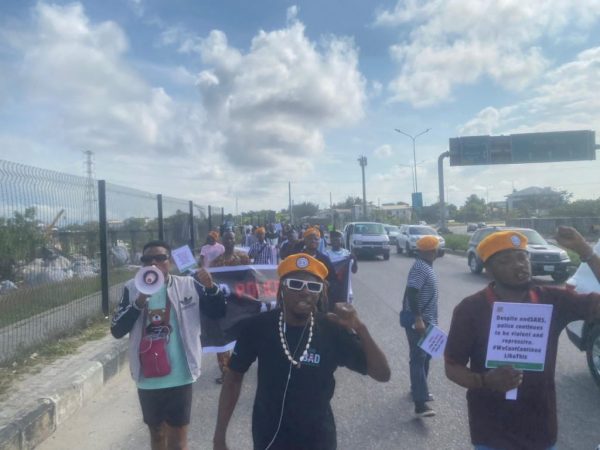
307	417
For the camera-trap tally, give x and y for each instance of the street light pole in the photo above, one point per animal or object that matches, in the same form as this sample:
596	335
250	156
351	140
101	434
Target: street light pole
414	138
363	163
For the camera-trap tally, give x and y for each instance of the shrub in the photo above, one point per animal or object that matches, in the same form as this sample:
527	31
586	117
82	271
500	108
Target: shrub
457	241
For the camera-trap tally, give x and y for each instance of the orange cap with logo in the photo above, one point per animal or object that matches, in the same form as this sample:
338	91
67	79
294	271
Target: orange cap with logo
500	241
301	262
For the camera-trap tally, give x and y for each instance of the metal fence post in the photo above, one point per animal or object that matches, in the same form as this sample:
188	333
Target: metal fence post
102	229
161	225
209	218
192	234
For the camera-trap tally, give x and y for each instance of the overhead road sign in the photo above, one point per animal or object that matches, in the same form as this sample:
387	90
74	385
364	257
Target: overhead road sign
523	148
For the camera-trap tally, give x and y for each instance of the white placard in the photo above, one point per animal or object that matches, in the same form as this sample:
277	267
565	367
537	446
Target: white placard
433	341
519	335
184	259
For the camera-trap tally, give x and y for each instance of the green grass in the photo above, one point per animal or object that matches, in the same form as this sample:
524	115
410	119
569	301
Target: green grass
27	302
34	360
457	241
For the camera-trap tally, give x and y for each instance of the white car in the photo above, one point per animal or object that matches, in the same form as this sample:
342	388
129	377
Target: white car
367	238
410	234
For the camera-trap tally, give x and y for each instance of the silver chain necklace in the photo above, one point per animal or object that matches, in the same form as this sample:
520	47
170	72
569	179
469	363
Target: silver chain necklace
284	341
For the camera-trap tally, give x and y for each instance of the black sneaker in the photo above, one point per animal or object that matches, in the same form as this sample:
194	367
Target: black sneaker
423	410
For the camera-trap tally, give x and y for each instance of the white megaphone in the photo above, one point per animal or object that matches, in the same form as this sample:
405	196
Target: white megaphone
149	280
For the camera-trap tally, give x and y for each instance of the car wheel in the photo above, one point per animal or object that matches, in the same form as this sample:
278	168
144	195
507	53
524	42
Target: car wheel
474	265
593	353
386	256
560	277
408	250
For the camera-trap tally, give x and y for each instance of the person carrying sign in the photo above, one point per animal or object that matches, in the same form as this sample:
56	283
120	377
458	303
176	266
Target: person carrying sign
298	350
529	422
419	309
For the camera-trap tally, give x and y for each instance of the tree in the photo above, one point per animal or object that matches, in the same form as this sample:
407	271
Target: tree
305	209
473	210
348	203
546	200
20	239
431	213
578	208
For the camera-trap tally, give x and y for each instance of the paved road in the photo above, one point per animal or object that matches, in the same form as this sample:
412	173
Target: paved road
369	415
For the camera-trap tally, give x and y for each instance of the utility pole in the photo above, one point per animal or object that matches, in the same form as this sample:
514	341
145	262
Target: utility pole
90	189
290	203
363	163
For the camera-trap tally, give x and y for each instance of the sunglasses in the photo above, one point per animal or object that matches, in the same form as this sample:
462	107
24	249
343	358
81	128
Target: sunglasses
147	259
297	285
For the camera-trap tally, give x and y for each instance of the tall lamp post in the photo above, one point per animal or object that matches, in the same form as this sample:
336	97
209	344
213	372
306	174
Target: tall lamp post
414	138
363	163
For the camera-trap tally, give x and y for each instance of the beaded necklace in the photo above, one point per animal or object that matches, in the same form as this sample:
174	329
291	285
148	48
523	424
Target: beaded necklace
286	350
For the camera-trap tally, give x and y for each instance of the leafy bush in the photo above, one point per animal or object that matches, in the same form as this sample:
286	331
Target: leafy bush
457	241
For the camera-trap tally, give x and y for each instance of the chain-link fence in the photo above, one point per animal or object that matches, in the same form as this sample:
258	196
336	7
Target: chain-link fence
49	253
68	243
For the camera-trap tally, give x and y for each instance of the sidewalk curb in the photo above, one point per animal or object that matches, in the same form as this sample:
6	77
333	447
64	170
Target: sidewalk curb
75	384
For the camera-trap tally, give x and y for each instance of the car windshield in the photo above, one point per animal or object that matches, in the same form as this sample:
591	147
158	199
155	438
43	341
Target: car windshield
369	228
422	231
533	237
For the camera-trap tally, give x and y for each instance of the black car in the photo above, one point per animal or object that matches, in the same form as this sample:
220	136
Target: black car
546	259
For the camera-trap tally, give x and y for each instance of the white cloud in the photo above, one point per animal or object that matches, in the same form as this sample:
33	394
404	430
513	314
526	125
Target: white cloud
384	151
453	42
75	86
272	104
565	99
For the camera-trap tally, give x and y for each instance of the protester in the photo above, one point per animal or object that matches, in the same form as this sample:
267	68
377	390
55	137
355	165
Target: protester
172	314
530	421
249	238
271	235
310	246
338	253
231	257
298	349
211	249
420	309
261	252
289	244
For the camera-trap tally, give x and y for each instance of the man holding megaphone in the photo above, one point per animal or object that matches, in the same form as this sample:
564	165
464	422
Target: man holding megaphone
161	313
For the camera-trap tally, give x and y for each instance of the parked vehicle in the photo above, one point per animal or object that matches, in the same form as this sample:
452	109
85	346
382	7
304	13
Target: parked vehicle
410	234
392	232
367	238
546	259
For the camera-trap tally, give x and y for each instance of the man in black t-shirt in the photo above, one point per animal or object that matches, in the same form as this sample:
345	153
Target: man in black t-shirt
298	350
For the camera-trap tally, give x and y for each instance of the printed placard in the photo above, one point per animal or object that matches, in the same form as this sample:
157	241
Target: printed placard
433	341
184	259
519	335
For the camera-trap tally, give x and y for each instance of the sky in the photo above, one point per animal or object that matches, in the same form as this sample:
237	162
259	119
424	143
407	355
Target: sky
226	102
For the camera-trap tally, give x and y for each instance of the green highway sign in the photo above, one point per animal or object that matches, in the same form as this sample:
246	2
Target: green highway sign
523	148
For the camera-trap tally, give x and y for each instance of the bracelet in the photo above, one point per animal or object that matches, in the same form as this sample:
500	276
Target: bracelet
588	258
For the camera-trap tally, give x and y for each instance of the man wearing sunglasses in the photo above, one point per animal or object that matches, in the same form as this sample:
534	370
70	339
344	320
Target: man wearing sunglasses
166	400
298	350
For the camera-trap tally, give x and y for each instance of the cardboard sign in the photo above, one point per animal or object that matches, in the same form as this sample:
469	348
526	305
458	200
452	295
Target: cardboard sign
519	335
433	341
184	259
